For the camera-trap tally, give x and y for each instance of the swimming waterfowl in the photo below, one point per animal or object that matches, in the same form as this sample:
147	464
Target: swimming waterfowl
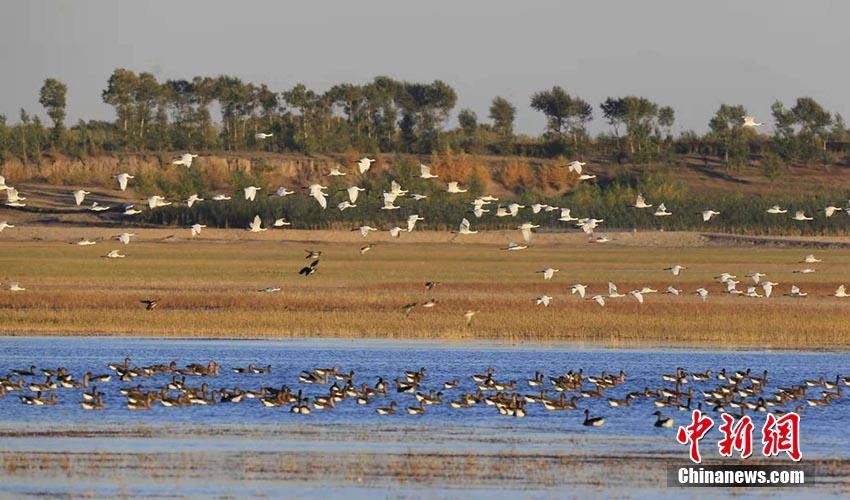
592	421
662	421
388	410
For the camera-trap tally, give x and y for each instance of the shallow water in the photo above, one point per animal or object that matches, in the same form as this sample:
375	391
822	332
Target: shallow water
629	429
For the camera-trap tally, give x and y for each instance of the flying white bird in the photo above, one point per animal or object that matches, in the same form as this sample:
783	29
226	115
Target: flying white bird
418	197
637	295
578	288
80	196
124	237
84	242
599	299
751	292
256	226
588	224
16	287
544	300
675	269
661	211
673	290
575	166
513	246
221	197
425	172
389	202
801	215
750	121
95	207
395	188
502	212
756	277
724	277
123	179
4	225
811	259
537	207
345	204
320	196
129	210
830	210
586	177
647	289
412	220
602	239
13	198
194	198
640	202
453	188
776	210
478	212
795	292
3	182
354	192
185	160
115	254
281	222
156	201
395	231
513	208
262	135
566	216
841	291
708	214
364	164
703	294
767	286
281	191
251	192
336	172
464	227
732	287
613	293
196	229
365	230
548	273
526	228
807	270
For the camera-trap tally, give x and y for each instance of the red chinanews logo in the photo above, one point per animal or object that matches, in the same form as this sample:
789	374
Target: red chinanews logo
778	435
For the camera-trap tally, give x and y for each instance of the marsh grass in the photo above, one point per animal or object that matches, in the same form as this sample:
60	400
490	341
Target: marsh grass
210	289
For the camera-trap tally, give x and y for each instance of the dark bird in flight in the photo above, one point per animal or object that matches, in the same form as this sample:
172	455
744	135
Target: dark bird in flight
150	304
431	284
408	307
312	268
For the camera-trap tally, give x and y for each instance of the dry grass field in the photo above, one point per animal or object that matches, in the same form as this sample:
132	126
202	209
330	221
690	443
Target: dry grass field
209	287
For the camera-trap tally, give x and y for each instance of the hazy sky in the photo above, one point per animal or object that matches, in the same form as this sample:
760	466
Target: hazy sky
687	54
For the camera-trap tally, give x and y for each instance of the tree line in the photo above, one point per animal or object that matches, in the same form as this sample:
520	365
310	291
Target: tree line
389	115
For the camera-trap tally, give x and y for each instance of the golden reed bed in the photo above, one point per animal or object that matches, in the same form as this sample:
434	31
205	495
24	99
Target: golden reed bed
209	288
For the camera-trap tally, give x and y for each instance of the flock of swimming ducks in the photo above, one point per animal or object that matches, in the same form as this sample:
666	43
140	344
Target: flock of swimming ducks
736	392
760	288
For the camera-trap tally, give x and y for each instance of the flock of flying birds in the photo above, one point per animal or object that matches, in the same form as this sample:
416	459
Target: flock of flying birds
759	288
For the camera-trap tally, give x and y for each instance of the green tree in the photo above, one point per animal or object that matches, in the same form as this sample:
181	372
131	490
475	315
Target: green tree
503	113
52	98
564	113
119	94
727	130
